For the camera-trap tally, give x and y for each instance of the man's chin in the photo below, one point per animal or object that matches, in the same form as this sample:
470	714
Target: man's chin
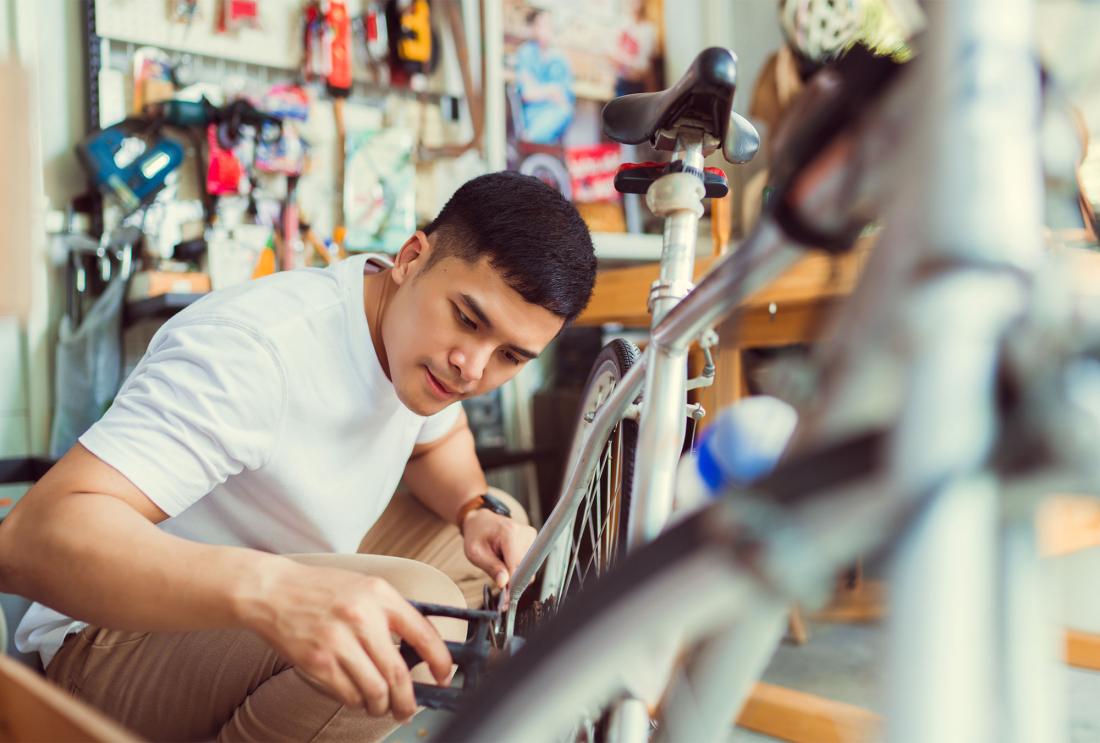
421	404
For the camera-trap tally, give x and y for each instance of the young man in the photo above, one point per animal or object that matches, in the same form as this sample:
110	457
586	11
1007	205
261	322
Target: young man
276	419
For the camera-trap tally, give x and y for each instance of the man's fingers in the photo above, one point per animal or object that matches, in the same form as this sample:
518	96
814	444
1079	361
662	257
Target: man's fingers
372	688
394	674
483	555
333	679
515	545
411	625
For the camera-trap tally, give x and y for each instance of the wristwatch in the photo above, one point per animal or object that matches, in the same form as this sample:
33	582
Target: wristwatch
487	501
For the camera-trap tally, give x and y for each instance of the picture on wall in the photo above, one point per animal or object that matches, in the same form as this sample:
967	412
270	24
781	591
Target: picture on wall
563	62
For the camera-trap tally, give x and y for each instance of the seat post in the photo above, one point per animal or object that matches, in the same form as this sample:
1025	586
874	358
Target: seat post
677	197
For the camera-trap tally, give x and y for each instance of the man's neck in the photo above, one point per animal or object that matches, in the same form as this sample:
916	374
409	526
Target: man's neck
377	292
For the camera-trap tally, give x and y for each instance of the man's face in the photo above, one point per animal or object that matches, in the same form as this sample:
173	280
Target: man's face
456	330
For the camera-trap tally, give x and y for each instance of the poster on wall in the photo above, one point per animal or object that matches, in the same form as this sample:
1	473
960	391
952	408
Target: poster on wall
563	61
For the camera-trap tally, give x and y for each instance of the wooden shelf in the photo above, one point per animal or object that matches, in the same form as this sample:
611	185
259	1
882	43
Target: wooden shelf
621	294
626	246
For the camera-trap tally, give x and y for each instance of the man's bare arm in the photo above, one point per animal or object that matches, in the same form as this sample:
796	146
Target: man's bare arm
84	541
443	475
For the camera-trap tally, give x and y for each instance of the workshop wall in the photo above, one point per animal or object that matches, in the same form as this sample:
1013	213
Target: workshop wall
43	38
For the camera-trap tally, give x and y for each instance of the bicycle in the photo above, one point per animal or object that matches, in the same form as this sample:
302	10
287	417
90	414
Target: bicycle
915	470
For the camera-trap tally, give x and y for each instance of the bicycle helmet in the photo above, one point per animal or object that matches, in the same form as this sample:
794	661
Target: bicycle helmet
820	30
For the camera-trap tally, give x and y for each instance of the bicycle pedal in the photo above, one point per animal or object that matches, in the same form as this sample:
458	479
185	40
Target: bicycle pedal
638	177
471	656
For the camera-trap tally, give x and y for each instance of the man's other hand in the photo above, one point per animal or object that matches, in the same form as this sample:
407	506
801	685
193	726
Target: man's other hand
336	625
495	543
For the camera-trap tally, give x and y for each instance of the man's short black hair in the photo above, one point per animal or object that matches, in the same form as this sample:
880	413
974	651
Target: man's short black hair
531	234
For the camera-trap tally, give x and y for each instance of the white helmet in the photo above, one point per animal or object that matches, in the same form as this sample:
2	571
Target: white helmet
821	29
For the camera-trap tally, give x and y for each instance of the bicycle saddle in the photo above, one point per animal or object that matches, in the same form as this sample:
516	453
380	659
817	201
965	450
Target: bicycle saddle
703	97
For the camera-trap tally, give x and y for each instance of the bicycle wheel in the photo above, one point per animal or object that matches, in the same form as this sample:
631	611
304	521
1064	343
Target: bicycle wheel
598	533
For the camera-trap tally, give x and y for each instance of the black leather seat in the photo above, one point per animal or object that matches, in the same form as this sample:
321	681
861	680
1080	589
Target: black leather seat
704	96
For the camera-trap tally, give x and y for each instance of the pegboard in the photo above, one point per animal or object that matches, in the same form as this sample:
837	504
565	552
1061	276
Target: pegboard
273	48
276	44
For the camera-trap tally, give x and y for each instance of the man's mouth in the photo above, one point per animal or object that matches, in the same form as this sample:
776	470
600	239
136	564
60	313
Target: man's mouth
441	390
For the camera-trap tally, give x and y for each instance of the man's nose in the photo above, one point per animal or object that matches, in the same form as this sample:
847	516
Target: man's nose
470	362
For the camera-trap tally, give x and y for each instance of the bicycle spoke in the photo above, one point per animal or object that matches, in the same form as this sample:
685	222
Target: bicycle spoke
587	524
614	484
574	563
598	510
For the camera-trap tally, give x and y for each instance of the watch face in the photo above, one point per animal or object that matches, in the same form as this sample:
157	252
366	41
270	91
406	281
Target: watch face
495	505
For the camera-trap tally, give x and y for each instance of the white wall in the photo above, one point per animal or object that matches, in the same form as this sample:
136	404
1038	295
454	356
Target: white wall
44	36
748	27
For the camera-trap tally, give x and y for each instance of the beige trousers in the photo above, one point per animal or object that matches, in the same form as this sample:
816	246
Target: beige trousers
230	685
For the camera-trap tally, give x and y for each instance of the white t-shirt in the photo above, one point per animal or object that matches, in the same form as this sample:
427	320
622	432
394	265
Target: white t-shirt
259	417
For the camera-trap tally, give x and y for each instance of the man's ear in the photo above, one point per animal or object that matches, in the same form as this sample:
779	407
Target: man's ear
411	258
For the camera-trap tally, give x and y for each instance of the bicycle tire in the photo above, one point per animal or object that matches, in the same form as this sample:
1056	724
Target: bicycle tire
608	370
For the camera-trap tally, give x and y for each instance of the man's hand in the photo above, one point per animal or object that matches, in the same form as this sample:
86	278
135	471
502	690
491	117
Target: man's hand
495	543
335	626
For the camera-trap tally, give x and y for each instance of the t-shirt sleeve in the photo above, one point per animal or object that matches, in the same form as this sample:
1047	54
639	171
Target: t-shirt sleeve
438	425
203	404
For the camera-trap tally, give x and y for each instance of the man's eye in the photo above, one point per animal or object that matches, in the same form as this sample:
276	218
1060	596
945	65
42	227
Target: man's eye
513	358
466	321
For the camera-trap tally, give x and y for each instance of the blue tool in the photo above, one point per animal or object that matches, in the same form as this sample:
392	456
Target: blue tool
129	162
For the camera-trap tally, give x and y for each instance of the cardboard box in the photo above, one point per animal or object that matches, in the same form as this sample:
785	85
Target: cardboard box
145	284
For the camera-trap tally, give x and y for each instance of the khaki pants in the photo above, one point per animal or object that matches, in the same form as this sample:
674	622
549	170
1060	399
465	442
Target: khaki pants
231	685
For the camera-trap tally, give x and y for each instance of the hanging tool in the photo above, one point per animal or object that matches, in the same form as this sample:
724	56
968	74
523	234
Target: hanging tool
130	161
372	34
222	127
328	55
238	14
411	36
474	103
230	119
